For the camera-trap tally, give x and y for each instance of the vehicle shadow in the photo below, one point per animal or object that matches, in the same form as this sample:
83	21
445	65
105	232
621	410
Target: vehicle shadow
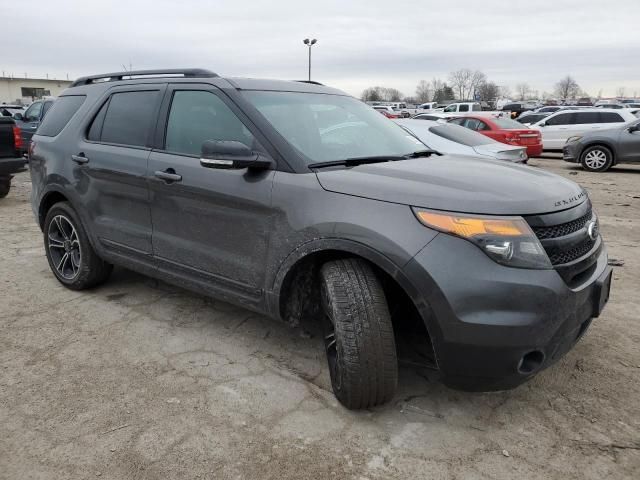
296	351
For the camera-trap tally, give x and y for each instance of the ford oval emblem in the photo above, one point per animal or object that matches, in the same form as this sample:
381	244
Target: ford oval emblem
592	231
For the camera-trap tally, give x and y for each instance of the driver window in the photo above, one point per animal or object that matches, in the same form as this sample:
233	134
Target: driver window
450	108
198	116
472	124
464	108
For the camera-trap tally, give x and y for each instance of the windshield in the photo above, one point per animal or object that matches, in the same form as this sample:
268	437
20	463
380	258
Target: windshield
325	128
459	134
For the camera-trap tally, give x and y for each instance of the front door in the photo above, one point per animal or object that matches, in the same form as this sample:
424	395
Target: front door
110	165
629	145
209	225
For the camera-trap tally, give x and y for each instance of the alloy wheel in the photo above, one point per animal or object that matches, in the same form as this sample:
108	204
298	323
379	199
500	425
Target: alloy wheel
64	247
595	159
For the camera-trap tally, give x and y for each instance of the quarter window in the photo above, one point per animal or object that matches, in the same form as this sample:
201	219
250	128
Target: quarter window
198	116
610	117
61	112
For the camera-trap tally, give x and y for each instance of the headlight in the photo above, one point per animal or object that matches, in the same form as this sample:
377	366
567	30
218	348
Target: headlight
574	139
507	240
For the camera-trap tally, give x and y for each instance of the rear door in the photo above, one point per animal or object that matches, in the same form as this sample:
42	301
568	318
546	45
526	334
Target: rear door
210	226
111	166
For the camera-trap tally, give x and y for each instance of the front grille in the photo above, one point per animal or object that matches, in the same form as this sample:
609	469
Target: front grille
566	256
563	229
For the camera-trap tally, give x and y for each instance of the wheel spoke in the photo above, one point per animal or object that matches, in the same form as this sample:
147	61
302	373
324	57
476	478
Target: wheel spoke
61	229
54	242
62	263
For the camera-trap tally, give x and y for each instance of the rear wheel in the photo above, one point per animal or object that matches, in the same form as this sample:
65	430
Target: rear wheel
69	252
596	159
359	339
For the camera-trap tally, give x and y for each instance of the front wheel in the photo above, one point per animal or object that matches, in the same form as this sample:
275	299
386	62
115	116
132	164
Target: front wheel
596	159
69	252
359	339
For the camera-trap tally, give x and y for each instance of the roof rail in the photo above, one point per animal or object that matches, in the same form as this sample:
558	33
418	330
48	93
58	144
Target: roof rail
313	82
113	77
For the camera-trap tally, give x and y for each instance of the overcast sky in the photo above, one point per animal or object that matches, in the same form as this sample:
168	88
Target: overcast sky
361	43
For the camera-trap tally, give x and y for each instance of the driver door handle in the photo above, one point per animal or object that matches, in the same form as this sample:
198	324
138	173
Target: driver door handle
80	159
169	175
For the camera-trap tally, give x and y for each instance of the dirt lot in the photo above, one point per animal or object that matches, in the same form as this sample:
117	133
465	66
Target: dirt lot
139	380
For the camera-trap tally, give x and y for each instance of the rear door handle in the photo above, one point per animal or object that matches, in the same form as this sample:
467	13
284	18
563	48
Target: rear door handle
169	175
80	159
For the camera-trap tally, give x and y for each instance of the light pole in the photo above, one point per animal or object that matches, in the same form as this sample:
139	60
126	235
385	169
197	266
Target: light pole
309	43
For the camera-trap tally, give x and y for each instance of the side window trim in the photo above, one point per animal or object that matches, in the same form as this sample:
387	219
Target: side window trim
106	99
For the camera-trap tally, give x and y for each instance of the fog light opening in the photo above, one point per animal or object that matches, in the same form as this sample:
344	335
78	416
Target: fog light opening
530	362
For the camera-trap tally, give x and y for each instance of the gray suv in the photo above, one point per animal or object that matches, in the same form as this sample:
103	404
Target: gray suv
302	203
598	151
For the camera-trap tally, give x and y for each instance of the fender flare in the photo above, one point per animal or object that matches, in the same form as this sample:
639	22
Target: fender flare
349	246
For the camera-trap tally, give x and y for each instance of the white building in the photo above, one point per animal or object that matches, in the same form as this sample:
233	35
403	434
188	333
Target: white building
26	90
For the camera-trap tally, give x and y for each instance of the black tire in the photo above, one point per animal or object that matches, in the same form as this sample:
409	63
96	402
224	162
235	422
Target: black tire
83	268
359	338
5	186
597	158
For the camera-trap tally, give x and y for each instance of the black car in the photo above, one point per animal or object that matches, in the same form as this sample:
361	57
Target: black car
11	161
302	203
516	109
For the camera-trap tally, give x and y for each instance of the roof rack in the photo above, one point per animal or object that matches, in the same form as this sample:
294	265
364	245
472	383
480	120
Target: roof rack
313	82
113	77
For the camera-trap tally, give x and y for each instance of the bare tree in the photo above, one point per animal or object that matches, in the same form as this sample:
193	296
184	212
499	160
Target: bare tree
381	94
478	78
488	92
505	91
523	89
424	92
620	91
567	88
461	82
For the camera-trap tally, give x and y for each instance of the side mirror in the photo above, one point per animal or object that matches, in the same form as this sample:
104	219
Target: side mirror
18	116
634	128
543	124
231	155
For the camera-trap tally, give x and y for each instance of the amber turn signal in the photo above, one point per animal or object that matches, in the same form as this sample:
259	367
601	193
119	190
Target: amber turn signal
468	227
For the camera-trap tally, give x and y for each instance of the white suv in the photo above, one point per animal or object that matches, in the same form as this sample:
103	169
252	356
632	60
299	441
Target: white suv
558	127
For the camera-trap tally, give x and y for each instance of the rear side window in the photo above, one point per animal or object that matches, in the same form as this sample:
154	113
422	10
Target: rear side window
464	108
125	119
477	107
610	117
61	112
587	117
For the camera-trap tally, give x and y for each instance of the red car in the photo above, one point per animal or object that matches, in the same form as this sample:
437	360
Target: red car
504	130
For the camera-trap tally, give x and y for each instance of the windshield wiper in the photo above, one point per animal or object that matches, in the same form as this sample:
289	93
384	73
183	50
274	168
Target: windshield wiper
351	162
422	153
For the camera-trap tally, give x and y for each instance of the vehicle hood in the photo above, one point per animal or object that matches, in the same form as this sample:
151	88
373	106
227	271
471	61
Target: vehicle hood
458	184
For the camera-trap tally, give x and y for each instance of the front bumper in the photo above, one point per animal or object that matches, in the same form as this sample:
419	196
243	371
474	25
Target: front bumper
570	152
493	327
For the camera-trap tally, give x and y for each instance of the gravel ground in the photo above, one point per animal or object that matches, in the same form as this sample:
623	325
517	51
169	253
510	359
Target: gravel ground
140	380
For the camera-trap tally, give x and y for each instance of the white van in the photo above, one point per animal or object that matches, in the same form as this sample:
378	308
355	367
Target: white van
558	127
